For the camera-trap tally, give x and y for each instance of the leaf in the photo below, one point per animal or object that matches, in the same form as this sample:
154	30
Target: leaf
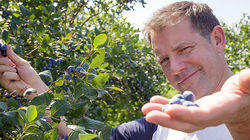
46	76
42	99
3	106
52	134
60	107
31	113
5	36
87	136
74	136
101	80
89	92
77	128
98	60
68	36
100	40
59	82
40	111
116	88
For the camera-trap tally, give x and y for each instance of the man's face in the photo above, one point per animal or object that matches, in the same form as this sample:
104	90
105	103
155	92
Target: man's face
188	60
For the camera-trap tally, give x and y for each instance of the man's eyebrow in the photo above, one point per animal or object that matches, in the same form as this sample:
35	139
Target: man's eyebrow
182	44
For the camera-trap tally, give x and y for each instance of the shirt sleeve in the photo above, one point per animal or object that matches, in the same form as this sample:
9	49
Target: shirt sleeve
136	130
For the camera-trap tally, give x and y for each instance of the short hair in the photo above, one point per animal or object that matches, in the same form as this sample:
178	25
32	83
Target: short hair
201	16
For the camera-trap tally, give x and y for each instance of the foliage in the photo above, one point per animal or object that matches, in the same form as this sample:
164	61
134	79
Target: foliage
238	44
99	71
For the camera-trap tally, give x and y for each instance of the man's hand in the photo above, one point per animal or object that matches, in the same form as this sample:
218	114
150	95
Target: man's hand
17	74
230	106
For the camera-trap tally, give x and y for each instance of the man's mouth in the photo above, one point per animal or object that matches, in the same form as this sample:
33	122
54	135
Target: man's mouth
188	76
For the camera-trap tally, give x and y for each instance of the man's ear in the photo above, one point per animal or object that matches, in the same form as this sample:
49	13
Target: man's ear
217	37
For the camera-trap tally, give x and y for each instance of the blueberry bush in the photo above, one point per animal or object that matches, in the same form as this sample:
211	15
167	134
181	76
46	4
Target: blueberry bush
99	72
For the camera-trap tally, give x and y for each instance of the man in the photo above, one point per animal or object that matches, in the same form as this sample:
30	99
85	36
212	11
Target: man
188	43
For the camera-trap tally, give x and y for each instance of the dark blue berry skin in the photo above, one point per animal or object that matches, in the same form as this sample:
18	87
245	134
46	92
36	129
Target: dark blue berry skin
68	77
189	103
5	15
59	61
78	69
188	95
83	42
179	96
175	101
71	69
3	50
52	61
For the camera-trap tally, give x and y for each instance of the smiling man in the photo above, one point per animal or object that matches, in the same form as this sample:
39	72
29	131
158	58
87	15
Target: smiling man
189	43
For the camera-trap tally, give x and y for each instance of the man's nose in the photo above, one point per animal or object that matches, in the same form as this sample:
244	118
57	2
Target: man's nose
177	65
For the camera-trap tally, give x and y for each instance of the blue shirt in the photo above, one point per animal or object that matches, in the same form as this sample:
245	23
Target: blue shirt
136	130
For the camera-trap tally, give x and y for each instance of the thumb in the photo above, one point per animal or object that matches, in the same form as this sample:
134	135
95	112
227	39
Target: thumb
244	80
14	57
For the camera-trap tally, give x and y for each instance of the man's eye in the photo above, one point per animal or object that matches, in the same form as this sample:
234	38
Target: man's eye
164	60
186	49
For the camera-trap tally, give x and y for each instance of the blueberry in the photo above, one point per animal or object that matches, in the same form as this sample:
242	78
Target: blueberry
78	69
68	77
59	61
5	14
175	101
188	95
189	103
52	61
3	50
179	96
71	69
83	42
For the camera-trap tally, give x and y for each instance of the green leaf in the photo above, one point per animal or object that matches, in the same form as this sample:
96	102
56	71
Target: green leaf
100	40
60	107
101	80
52	134
87	136
77	128
46	76
3	106
89	92
31	113
98	60
116	88
74	136
5	36
59	82
42	99
40	111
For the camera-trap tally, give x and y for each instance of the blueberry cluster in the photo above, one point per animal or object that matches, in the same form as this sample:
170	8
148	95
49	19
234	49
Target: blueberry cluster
186	99
5	14
3	49
71	70
53	62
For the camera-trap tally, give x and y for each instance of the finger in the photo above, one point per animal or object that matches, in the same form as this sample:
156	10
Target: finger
15	58
10	76
163	119
244	80
159	99
191	114
6	61
150	107
4	68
